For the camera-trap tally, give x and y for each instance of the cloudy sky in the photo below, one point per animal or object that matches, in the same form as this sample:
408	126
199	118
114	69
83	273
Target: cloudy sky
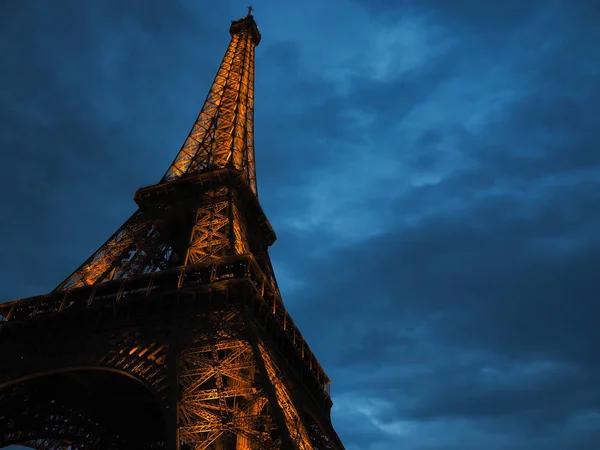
432	169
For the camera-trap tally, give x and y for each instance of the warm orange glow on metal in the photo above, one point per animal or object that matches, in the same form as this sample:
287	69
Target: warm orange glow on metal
240	232
218	382
210	233
295	424
201	232
121	256
223	134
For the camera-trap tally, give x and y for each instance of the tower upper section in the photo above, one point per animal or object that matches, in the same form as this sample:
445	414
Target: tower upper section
223	134
246	24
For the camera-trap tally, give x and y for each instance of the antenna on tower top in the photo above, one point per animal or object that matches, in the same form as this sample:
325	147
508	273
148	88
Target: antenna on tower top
250	9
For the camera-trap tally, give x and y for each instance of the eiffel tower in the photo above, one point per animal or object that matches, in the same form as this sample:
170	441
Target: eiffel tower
173	334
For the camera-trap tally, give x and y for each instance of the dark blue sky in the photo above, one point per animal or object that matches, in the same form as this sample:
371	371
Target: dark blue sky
432	169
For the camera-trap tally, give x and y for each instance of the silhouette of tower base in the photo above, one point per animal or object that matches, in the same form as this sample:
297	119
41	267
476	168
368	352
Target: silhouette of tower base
182	356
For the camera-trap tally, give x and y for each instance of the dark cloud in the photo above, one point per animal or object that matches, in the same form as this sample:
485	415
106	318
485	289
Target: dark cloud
80	120
495	263
433	182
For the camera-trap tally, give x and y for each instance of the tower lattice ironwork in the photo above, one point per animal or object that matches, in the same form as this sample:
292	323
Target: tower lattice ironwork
173	334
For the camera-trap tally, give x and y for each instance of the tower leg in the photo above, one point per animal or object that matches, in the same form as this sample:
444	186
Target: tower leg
278	415
171	416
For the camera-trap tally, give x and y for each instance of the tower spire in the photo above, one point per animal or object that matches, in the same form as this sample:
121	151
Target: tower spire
223	134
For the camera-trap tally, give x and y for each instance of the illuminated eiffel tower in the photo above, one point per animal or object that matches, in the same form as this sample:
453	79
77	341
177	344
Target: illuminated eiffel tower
173	334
